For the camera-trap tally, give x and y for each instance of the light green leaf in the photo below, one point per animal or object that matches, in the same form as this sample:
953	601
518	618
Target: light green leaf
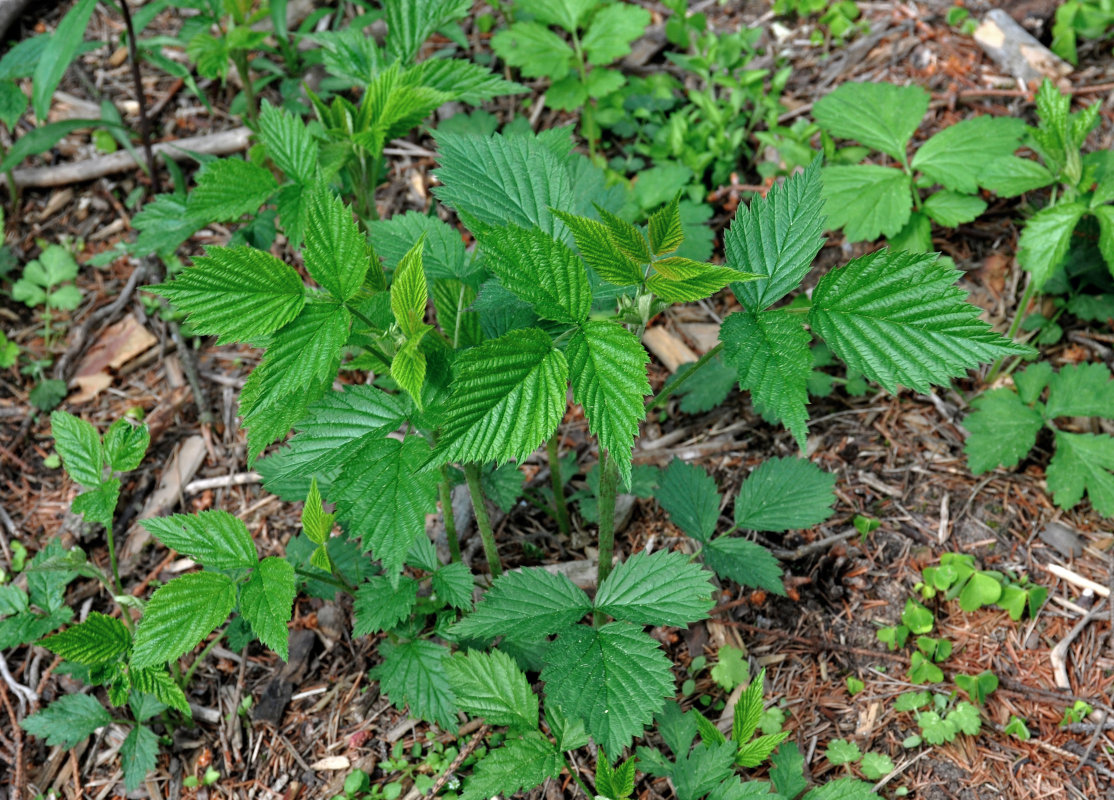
99	504
787	770
629	239
1045	239
288	142
443	254
607	365
537	51
1013	175
227	189
1002	431
593	240
379	607
40	139
156	681
61	50
413	674
617	783
841	751
68	720
1081	390
336	252
267	602
843	789
179	615
411	22
409	292
777	237
215	538
138	756
521	763
611	32
509	394
867	200
100	639
1083	462
490	685
79	446
880	115
315	522
462	80
125	444
525	606
745	562
783	494
666	230
682	280
876	765
1105	216
660	589
688	494
899	319
916	236
952	209
953	156
408	368
565	13
236	293
615	678
965	718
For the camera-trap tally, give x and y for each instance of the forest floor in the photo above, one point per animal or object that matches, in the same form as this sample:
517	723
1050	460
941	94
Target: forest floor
899	459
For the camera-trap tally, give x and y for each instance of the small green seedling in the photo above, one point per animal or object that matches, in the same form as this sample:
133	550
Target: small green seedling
46	282
978	687
1076	713
1016	727
854	685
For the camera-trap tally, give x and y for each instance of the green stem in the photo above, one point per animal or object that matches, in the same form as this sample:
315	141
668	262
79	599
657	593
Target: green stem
587	123
445	487
339	583
200	657
1027	295
571	767
240	60
372	180
666	391
609	487
110	536
560	506
483	522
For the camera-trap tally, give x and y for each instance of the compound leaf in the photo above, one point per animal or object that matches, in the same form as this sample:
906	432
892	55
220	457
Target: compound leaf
288	142
948	156
784	494
1084	462
138	756
612	30
491	685
593	240
215	538
663	588
413	674
951	209
682	280
1046	237
267	602
453	583
99	504
379	607
526	606
1002	430
537	51
745	562
179	615
880	115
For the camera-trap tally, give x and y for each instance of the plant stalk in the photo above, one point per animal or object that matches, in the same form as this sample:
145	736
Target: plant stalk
609	487
332	580
666	391
185	682
1026	296
141	99
240	60
560	505
483	521
445	488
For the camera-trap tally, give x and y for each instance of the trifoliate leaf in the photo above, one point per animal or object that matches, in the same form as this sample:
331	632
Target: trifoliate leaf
880	115
99	639
379	607
1081	390
288	142
682	280
593	240
745	562
227	189
965	718
521	763
98	505
509	394
336	252
236	293
615	678
841	751
934	728
689	495
413	674
899	319
179	615
1084	462
866	200
952	209
1045	239
490	685
1013	175
611	32
777	237
771	352
125	444
659	589
948	156
607	365
540	270
68	720
527	605
537	51
138	755
79	446
783	494
1002	431
215	538
267	602
666	231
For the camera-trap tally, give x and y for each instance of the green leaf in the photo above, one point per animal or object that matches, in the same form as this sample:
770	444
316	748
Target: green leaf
540	270
98	505
876	765
1011	176
841	751
1002	431
952	209
410	293
1083	462
745	562
288	142
411	22
965	718
267	602
625	236
1081	390
1105	216
569	733
702	770
379	607
677	728
1016	727
537	51
79	446
163	225
336	252
100	639
125	444
615	783
916	236
462	80
453	583
978	687
40	139
156	681
443	254
784	494
880	115
315	522
607	365
659	589
509	394
179	615
916	617
867	201
899	319
612	30
490	685
227	189
237	293
68	720
770	350
787	768
521	763
682	280
953	156
666	231
526	606
777	237
1045	239
689	495
52	65
13	103
614	678
593	240
215	538
842	789
413	674
138	756
731	668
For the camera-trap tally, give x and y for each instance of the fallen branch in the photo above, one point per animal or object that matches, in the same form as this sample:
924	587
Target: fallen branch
1078	580
222	482
1059	654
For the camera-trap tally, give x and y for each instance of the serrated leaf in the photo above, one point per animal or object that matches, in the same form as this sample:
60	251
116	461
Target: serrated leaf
443	254
288	142
1013	175
453	583
99	504
1002	431
540	270
876	765
379	607
125	444
68	720
783	494
866	200
410	292
490	685
952	209
948	156
227	189
163	225
770	351
615	783
748	710
336	252
79	446
138	756
215	538
537	51
843	789
899	319
156	681
916	236
267	602
614	678
413	674
777	237
965	718
100	639
1105	216
179	615
745	562
626	237
1083	462
682	280
663	588
1045	239
702	770
1081	390
607	365
521	763
665	228
236	293
689	495
611	32
787	767
411	22
754	752
463	80
593	240
509	394
880	115
841	751
315	522
527	606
